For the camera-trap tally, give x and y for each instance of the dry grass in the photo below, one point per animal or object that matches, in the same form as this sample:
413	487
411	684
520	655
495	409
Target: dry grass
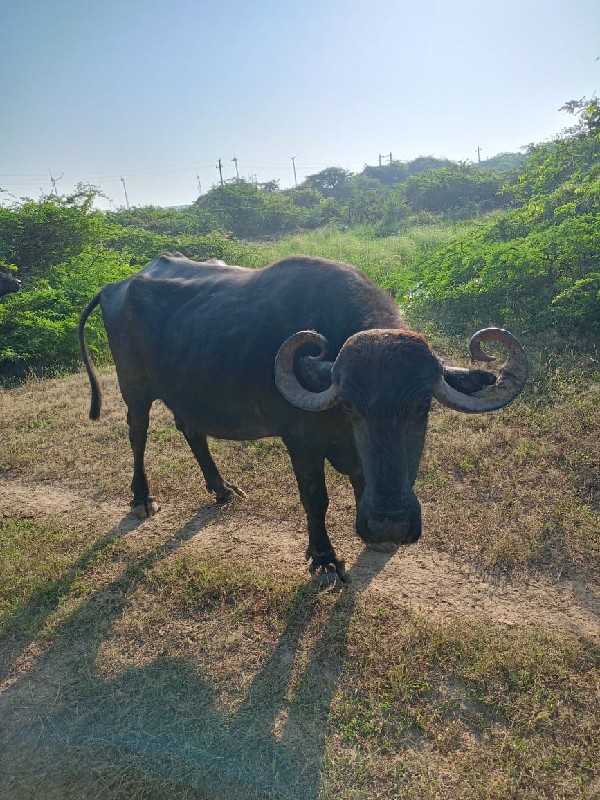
517	489
191	657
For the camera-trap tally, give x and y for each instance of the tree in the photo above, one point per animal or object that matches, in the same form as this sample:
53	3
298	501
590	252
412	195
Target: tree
36	235
246	211
461	187
331	182
170	221
388	174
588	112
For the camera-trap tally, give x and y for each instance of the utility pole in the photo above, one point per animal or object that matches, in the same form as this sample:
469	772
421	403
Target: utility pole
293	158
390	157
478	154
220	168
199	185
379	159
237	174
125	190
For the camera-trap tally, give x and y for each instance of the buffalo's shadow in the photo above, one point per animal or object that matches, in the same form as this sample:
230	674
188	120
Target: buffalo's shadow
71	732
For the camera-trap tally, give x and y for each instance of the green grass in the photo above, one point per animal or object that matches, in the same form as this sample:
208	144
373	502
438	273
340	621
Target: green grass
495	713
206	582
36	561
392	261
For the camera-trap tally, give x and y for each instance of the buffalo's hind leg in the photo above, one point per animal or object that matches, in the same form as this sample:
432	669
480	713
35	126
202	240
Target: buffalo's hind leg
309	468
223	490
138	418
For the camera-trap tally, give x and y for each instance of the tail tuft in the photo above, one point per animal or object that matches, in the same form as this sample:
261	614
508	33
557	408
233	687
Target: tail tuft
95	405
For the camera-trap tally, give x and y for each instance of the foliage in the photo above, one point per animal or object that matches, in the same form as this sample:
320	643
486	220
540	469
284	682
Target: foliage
398	171
460	191
248	211
330	182
535	267
142	245
36	236
38	328
167	221
386	196
504	162
462	187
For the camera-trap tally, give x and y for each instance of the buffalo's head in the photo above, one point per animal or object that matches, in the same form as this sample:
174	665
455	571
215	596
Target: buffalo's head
384	382
8	284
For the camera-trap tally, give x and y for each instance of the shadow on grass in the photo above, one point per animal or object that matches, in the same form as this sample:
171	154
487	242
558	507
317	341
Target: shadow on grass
29	618
157	731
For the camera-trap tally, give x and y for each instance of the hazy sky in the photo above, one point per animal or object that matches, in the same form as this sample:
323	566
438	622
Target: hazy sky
155	91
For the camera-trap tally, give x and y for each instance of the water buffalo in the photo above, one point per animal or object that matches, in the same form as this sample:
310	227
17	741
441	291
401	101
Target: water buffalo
305	349
8	284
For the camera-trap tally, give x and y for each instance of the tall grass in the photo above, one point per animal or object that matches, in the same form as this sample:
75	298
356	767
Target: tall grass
391	262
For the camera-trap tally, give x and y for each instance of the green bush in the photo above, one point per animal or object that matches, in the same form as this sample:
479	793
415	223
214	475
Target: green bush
534	268
38	327
37	235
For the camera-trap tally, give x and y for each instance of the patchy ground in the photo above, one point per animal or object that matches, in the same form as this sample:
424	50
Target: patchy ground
418	578
190	655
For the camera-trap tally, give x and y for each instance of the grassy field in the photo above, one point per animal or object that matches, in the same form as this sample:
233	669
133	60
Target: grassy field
192	656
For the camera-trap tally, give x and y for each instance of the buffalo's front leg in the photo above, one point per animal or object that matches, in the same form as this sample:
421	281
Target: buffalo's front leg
309	469
142	504
224	490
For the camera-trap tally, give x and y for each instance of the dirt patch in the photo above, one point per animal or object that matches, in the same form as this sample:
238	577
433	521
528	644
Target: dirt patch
418	578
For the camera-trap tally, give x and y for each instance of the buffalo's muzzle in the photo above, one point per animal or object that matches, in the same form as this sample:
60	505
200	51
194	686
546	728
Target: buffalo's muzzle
398	527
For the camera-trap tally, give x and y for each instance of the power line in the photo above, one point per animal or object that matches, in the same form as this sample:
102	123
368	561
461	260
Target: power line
143	172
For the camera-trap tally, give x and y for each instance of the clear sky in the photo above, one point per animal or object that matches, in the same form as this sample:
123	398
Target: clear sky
155	91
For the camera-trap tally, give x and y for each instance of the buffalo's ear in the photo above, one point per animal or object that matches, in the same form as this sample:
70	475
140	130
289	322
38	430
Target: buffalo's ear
314	375
468	381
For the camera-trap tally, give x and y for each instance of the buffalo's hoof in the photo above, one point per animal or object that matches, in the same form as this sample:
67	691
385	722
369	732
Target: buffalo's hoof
328	563
146	509
229	492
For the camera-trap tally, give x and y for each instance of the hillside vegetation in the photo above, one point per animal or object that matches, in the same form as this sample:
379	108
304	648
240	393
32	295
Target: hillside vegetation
532	264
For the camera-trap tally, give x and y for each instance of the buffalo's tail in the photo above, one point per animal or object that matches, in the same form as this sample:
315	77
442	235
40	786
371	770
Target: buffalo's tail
96	403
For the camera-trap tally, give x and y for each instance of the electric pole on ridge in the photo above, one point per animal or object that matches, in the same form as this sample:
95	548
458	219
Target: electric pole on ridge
220	168
237	174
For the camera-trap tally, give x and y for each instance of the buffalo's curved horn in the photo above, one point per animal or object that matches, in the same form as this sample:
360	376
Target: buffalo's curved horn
510	381
286	380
